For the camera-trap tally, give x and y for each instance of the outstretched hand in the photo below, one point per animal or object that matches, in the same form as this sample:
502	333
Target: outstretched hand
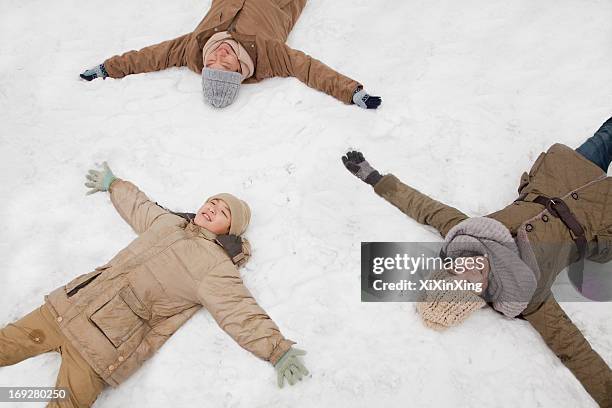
95	72
290	367
362	99
99	180
359	167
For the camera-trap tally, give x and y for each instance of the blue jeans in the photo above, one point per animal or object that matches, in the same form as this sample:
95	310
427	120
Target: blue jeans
598	148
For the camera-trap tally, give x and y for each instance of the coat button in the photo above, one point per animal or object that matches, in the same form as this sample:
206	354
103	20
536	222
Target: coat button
575	196
252	45
545	218
59	319
121	358
111	367
216	29
529	227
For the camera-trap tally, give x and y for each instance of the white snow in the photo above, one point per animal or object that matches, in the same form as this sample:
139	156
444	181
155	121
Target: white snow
472	92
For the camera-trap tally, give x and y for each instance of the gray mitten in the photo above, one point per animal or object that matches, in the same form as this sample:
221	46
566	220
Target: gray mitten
362	99
96	72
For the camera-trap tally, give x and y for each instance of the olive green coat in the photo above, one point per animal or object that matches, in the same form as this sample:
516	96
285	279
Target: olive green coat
563	173
262	27
120	314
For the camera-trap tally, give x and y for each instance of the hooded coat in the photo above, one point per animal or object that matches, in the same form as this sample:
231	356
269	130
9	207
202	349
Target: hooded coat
560	172
261	27
118	315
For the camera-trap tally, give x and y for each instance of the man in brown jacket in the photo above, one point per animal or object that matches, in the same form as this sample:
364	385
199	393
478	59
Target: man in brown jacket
106	323
239	41
563	213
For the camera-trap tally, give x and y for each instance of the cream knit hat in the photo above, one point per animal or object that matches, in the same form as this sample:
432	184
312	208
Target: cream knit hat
441	309
240	212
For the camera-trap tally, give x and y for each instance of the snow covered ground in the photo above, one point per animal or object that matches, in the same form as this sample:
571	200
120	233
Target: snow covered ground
472	92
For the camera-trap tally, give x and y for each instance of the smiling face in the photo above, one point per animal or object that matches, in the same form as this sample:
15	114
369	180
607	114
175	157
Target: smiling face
215	216
223	58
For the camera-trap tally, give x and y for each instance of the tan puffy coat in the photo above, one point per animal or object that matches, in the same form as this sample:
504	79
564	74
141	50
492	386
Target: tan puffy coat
563	173
121	313
262	27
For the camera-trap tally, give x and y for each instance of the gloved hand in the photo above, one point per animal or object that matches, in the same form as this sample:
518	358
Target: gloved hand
96	72
290	367
356	164
362	99
232	245
100	180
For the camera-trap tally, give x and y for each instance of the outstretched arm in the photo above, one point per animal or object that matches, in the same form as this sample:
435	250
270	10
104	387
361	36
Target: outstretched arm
156	57
132	204
574	351
224	295
411	202
286	62
419	206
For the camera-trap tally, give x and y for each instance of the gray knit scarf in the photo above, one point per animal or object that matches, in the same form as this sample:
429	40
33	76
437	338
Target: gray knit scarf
511	282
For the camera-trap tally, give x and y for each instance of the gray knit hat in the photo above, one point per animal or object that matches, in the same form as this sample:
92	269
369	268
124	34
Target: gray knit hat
220	87
511	282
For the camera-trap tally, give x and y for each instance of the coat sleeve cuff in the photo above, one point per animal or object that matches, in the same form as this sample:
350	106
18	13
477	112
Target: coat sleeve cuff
280	350
349	91
113	183
386	184
109	66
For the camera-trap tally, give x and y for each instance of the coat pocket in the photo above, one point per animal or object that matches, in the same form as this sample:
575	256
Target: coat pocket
130	298
603	251
81	281
120	317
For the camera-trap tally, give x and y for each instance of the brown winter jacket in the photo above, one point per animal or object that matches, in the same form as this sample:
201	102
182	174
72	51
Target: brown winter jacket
563	173
262	27
121	313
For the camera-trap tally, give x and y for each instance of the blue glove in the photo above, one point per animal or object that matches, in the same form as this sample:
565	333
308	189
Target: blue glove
96	72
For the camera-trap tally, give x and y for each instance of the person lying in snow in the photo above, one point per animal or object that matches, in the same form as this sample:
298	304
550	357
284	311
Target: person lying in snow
526	245
106	323
239	41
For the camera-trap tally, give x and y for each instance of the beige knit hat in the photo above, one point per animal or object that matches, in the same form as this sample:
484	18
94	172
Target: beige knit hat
441	309
240	212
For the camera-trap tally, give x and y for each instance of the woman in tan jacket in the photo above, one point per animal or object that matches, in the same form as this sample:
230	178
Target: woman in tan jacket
106	323
239	41
563	214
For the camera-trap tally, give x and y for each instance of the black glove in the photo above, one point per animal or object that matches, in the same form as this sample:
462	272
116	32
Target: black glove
362	99
356	164
232	245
